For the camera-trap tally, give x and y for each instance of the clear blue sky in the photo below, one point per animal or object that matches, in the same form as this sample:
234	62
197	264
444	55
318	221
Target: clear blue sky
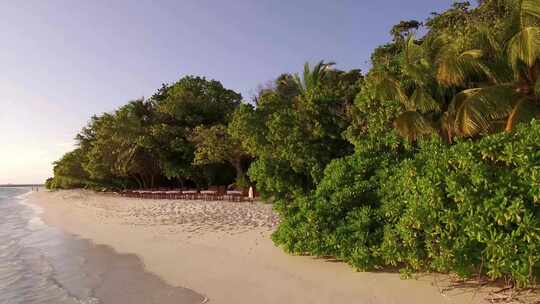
62	61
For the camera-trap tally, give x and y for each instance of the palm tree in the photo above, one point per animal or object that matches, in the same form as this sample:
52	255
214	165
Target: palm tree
498	81
430	69
505	101
312	78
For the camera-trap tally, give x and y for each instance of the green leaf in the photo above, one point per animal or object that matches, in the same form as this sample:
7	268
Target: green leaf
524	48
454	68
413	125
415	64
530	9
423	101
476	110
387	87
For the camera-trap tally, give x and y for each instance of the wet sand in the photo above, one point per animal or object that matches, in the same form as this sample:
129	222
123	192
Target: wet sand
43	264
223	251
98	272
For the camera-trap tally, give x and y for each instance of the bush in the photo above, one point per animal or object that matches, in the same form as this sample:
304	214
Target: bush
275	179
470	208
340	218
49	183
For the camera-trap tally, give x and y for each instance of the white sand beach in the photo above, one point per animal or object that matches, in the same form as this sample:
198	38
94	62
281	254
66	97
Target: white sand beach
223	251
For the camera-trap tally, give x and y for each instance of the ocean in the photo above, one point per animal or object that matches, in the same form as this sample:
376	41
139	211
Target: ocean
41	264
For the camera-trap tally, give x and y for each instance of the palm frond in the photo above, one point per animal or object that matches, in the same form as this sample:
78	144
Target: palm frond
524	48
307	76
514	21
471	117
496	65
447	126
387	87
459	99
413	125
415	64
475	110
434	45
485	39
299	83
311	77
454	68
423	101
530	12
523	111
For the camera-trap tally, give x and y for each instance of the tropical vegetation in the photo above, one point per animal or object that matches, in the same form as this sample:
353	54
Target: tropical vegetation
430	161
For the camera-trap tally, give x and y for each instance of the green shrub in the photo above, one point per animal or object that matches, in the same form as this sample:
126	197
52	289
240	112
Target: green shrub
470	208
275	179
49	183
340	218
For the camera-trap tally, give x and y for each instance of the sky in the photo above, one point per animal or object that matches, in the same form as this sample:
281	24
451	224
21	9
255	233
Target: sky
64	61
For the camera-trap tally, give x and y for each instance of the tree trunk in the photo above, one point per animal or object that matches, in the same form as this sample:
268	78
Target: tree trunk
237	164
144	181
138	181
181	180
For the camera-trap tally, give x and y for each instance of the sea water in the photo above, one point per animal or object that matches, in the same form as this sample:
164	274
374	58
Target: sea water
42	264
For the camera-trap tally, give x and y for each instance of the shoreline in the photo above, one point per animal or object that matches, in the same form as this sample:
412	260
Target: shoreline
94	273
222	250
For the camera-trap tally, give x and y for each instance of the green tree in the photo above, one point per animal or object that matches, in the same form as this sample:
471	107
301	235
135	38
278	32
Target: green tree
505	101
296	128
404	29
122	148
68	172
439	66
181	107
215	145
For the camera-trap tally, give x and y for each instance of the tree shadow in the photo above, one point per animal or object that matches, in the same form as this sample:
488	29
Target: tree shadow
479	287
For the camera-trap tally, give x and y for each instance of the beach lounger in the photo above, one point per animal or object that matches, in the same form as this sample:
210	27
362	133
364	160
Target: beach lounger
190	194
235	195
209	194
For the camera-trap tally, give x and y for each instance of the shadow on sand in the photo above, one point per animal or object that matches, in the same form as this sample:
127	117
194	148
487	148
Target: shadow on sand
490	291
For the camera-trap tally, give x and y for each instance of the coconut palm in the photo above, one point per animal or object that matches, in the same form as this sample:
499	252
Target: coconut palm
497	81
312	77
505	101
430	69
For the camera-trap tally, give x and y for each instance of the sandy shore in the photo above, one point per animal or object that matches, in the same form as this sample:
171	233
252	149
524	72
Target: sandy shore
223	251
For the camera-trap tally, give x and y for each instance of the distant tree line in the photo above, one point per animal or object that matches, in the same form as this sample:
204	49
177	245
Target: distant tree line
155	142
428	162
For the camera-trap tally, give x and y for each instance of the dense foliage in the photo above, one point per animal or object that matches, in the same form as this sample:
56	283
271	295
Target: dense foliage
429	162
433	184
151	143
471	208
295	129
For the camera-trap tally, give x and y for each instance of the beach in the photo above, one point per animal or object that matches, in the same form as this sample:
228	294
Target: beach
42	264
223	250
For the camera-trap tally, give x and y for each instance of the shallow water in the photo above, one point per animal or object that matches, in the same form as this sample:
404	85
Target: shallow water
41	264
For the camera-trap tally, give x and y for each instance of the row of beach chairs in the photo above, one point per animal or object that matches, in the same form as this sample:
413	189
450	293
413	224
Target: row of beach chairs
212	194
